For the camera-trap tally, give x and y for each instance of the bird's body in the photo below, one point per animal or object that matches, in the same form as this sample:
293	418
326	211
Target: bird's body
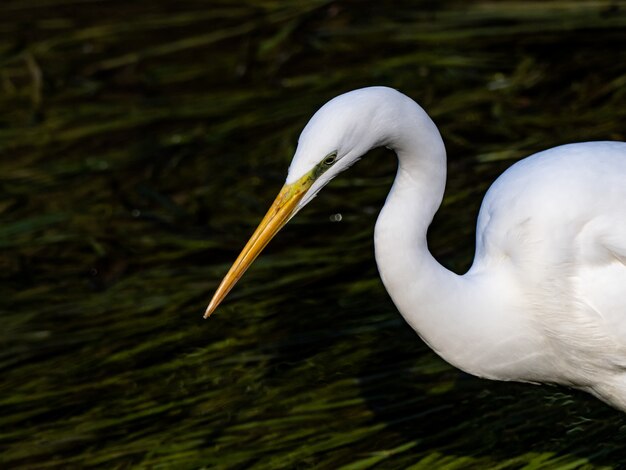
544	300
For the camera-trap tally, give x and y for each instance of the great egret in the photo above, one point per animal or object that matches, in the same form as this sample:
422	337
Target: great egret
545	298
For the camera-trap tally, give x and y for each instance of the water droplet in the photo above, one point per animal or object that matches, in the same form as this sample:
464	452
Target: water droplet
336	217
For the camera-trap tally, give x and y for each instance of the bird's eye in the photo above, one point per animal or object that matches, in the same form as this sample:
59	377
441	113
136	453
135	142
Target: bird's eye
330	159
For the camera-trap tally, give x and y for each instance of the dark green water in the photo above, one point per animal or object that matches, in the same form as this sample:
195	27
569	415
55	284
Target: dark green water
141	142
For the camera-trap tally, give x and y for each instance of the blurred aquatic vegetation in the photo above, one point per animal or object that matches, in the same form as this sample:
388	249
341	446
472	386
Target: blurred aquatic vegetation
140	143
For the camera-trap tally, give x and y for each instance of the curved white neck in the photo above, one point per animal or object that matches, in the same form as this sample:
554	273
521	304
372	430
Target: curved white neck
451	313
409	272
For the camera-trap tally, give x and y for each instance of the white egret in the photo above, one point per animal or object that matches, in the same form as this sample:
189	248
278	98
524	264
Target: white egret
545	298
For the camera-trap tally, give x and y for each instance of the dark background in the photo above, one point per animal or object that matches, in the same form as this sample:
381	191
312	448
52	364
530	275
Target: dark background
140	144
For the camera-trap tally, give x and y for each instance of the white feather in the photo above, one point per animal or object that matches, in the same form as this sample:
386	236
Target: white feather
545	299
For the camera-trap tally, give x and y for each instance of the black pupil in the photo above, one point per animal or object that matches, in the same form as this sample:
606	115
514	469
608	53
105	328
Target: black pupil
329	160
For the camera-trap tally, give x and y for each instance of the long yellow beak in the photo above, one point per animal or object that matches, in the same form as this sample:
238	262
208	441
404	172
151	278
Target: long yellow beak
282	209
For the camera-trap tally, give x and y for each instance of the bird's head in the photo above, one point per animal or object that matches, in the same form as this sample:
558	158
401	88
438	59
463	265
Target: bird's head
337	135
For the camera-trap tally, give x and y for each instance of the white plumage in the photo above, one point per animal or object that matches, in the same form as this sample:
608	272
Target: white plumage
544	300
